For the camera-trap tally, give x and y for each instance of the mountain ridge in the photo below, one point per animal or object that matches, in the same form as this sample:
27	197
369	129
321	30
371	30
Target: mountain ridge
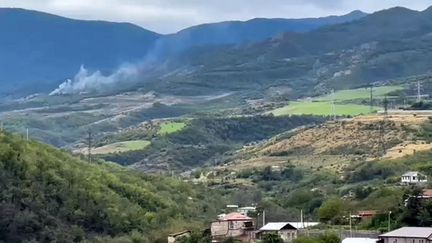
52	48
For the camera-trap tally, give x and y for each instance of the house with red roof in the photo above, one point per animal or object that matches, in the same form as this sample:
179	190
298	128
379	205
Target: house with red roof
233	225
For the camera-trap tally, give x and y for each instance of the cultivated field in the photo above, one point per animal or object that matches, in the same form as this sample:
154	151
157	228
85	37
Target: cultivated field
171	127
322	108
344	105
121	147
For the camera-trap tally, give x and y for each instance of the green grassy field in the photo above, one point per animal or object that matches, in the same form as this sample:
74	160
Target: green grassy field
171	127
362	93
322	105
121	147
321	108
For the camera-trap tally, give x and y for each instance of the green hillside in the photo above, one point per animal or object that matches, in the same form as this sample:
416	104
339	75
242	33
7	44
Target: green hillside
49	196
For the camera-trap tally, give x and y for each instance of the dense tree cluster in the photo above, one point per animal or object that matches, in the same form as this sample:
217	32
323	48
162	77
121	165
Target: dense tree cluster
48	195
205	139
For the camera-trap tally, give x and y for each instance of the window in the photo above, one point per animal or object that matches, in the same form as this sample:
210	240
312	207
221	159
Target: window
247	224
230	225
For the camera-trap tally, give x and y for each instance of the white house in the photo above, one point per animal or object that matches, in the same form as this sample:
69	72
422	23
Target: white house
413	177
408	235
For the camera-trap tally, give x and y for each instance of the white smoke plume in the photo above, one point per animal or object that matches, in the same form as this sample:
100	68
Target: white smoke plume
96	82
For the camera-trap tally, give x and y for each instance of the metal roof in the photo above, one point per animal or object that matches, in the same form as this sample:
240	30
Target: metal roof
300	225
411	173
359	240
280	225
274	226
410	232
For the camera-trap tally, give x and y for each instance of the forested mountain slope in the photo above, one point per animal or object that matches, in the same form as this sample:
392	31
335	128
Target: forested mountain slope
40	50
47	195
243	32
372	49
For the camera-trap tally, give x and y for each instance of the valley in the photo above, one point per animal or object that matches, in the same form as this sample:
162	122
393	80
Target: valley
296	120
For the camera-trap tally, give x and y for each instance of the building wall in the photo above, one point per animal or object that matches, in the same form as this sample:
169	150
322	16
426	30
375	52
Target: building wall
227	229
288	235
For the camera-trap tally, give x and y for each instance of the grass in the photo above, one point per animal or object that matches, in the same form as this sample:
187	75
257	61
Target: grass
171	127
121	147
321	108
361	93
321	105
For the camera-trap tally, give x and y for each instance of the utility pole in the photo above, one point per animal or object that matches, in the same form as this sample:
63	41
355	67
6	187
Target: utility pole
389	224
301	218
27	134
333	107
264	219
89	141
385	104
350	224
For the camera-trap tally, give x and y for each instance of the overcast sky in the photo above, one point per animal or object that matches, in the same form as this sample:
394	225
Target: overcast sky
167	16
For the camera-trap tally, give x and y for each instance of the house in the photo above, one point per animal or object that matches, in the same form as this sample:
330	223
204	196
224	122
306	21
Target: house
233	225
172	238
407	235
288	231
413	177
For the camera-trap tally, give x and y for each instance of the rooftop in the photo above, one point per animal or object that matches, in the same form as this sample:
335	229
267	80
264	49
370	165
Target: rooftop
411	173
359	240
427	193
236	217
287	225
411	232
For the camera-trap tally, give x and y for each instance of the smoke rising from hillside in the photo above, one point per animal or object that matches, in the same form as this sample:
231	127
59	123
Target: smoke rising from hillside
87	82
155	61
